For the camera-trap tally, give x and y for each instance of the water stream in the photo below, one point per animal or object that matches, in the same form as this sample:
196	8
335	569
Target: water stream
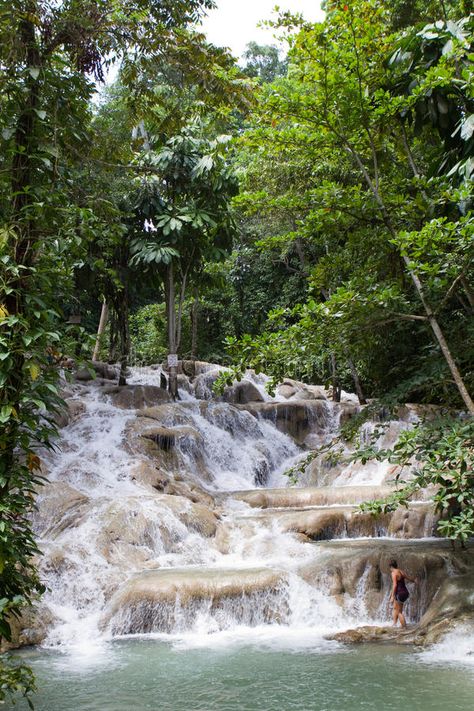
189	597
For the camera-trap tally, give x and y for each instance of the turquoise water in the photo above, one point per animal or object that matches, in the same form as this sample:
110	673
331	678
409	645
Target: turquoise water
139	674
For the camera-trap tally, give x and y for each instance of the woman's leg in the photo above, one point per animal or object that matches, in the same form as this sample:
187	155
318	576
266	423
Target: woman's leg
401	616
395	612
398	614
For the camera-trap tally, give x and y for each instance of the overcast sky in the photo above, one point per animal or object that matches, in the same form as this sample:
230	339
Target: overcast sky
234	22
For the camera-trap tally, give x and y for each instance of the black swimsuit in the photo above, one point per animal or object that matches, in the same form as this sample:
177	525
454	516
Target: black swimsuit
401	592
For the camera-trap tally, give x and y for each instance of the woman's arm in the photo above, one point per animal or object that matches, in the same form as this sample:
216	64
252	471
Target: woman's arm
407	577
394	586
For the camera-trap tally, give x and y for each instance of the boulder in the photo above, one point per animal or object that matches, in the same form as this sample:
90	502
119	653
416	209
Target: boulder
103	370
150	476
417	521
135	397
167	438
73	410
30	628
190	491
243	393
286	391
305	394
318	391
297	419
192	368
60	506
301	391
203	384
185	384
169	449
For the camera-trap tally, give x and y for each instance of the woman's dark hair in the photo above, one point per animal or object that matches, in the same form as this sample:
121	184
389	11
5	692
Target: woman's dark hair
393	564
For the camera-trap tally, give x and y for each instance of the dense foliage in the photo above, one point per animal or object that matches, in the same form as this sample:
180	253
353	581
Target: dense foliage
358	166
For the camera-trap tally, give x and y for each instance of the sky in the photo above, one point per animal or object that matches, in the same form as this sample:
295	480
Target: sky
234	22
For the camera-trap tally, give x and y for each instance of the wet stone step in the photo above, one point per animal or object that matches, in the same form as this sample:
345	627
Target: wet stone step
307	496
346	521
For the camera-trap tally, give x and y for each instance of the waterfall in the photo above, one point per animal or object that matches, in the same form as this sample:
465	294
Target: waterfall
162	521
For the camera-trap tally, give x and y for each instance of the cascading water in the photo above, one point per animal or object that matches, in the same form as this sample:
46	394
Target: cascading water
143	531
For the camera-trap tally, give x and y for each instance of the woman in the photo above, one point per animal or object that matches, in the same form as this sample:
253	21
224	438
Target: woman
400	593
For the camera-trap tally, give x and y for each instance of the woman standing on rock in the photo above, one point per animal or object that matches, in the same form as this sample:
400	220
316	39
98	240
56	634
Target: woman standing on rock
399	593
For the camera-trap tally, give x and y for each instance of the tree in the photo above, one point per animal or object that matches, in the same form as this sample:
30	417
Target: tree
263	62
183	217
340	121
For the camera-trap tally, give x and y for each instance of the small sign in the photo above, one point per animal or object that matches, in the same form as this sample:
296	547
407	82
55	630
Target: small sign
172	360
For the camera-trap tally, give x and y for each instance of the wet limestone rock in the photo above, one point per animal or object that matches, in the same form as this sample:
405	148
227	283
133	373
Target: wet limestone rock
300	391
191	491
147	526
60	506
150	476
167	438
203	384
153	600
103	370
243	393
452	606
153	478
135	397
367	633
417	521
73	410
295	418
169	449
336	522
342	564
31	628
309	496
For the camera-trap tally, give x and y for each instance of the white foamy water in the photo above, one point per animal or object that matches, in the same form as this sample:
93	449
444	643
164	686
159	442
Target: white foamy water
457	647
100	527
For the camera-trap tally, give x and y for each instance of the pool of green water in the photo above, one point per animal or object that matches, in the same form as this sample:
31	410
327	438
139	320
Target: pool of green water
139	674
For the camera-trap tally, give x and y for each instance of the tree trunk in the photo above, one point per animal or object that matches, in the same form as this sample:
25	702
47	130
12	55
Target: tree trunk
194	322
100	331
355	378
442	343
468	291
124	336
170	299
336	386
179	321
113	338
